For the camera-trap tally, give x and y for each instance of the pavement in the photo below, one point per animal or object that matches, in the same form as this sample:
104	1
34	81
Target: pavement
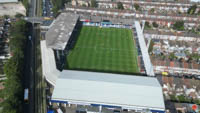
28	73
29	70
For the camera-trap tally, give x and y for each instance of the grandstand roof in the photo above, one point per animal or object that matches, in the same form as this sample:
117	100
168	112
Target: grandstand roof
109	89
145	55
49	69
60	31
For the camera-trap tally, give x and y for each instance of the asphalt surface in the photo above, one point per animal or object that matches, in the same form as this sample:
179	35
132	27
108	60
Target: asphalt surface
29	70
29	73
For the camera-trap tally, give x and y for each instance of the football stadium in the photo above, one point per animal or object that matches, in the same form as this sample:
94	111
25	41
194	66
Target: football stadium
92	62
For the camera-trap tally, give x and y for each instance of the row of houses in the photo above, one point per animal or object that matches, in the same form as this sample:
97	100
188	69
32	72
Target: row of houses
180	87
180	3
167	48
169	24
135	15
147	5
175	70
171	36
176	86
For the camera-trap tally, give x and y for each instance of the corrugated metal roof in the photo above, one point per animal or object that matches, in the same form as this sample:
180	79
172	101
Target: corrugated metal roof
7	1
109	89
60	31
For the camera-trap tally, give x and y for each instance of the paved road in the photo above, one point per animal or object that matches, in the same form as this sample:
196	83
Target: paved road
29	71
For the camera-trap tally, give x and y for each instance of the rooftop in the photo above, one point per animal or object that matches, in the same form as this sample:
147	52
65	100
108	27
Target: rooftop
48	64
60	31
109	89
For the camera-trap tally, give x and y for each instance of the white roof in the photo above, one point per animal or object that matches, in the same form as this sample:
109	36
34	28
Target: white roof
49	69
109	89
7	1
145	55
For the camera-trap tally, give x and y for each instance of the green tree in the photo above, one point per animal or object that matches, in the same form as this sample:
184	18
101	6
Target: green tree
192	9
57	5
147	25
152	10
6	16
179	25
18	15
137	7
172	56
13	69
173	97
196	101
155	24
120	5
94	3
151	46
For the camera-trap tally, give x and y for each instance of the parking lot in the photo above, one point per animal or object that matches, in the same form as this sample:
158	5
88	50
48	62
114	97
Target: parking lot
5	24
47	8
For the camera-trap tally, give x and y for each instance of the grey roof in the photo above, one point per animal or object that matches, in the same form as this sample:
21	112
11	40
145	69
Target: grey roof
60	31
109	89
49	69
114	20
7	1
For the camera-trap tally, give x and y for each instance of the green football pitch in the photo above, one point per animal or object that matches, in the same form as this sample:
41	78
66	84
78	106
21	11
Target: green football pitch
104	49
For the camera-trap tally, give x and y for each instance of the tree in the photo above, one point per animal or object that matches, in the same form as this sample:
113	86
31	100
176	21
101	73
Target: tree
6	16
94	3
147	25
172	56
189	60
13	69
155	24
18	15
120	5
57	5
198	13
173	97
179	25
192	9
152	10
151	46
181	60
137	7
196	101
